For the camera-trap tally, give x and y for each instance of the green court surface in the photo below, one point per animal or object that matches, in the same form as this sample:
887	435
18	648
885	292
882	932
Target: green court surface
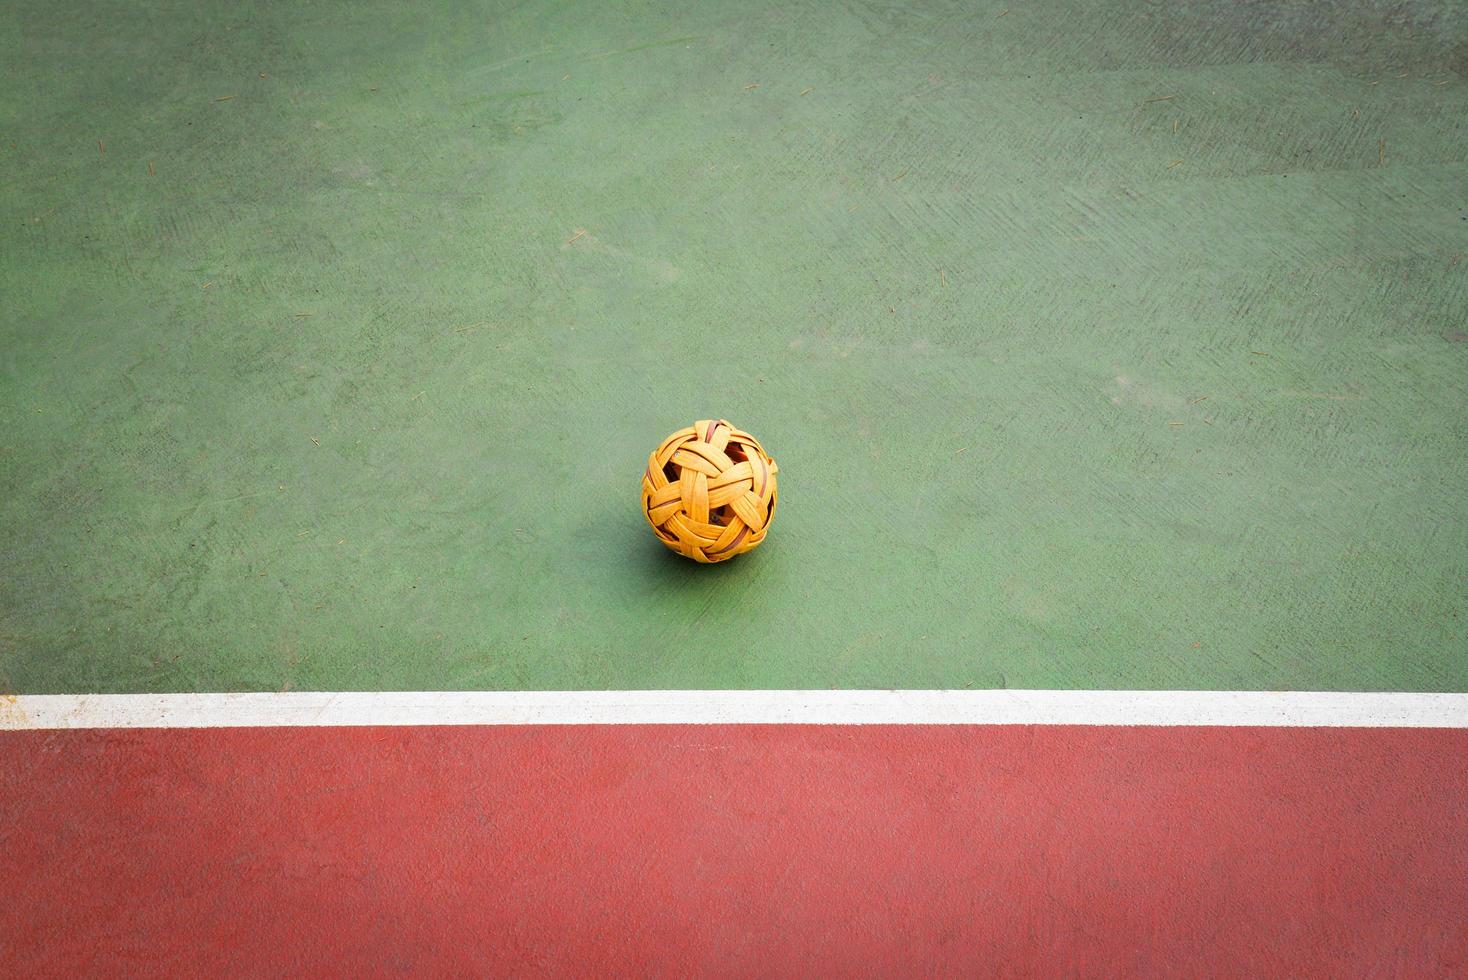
1113	345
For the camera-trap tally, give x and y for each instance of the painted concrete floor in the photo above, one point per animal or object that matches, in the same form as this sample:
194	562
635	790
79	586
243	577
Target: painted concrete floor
1101	345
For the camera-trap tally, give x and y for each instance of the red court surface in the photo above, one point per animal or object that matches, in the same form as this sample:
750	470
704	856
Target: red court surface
736	850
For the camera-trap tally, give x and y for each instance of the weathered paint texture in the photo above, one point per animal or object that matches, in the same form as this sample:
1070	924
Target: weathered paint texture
718	850
1111	345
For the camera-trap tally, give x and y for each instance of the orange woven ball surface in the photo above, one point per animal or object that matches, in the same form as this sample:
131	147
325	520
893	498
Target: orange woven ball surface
709	491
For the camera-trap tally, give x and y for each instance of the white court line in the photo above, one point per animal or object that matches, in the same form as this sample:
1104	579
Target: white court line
302	708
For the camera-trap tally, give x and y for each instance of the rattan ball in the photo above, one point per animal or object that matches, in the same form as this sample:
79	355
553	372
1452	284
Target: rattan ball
709	491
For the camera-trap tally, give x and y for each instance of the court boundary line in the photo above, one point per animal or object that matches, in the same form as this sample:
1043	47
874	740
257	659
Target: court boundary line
1267	709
